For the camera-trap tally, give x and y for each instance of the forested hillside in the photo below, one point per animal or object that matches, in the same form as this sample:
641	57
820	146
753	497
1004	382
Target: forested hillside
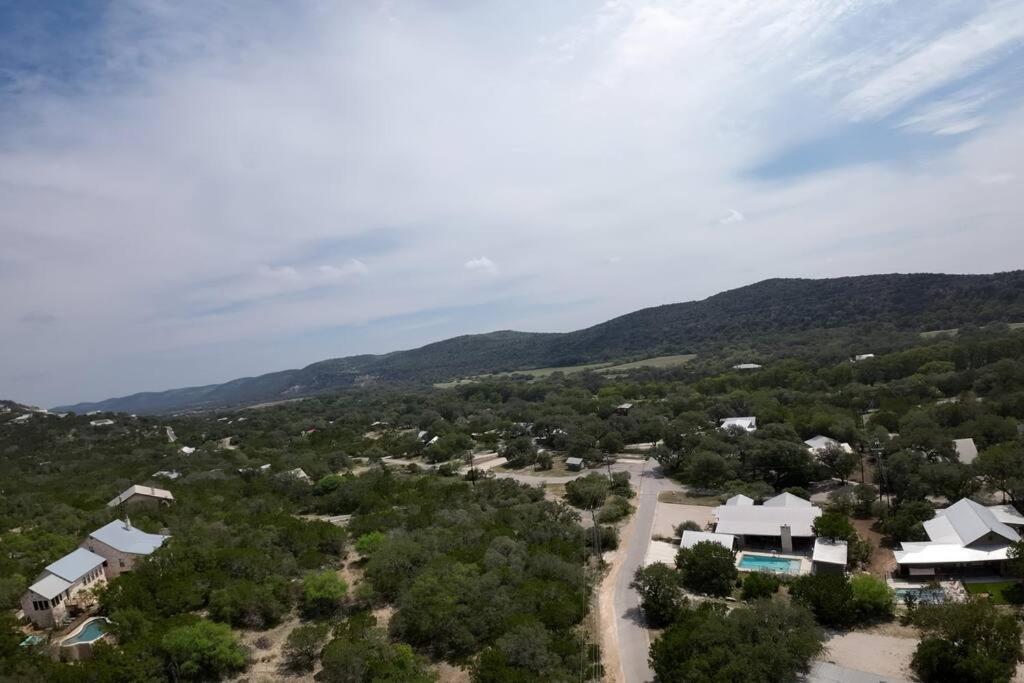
767	316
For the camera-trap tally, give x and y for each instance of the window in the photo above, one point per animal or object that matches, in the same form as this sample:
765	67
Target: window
40	605
120	563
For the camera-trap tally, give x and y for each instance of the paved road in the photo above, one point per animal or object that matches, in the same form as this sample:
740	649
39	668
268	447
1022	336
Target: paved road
631	635
826	672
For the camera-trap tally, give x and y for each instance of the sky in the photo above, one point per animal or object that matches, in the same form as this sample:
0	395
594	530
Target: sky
192	192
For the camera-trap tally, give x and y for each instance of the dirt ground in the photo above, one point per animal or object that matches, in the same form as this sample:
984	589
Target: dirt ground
882	560
446	673
880	651
267	661
667	516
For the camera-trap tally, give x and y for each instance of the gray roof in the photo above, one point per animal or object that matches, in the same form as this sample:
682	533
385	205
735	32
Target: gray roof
50	586
964	522
829	552
574	461
75	564
692	538
120	535
740	499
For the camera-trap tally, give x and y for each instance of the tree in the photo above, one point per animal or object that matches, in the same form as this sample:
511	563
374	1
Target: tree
1015	553
302	649
611	443
708	470
905	524
838	461
203	650
833	526
661	597
768	642
589	492
970	642
828	596
708	568
520	452
322	593
1002	467
366	655
866	496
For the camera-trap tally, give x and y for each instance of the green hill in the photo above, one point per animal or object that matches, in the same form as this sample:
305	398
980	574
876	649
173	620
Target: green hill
766	310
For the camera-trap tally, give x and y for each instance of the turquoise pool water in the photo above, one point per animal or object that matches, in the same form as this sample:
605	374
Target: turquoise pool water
94	630
926	595
769	563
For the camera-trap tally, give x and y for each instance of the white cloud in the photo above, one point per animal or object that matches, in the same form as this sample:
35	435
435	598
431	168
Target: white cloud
351	267
732	216
241	167
481	265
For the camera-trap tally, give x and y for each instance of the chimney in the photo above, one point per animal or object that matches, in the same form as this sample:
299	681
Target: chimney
127	523
787	538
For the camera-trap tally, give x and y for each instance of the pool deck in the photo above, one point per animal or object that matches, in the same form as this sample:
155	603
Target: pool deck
805	562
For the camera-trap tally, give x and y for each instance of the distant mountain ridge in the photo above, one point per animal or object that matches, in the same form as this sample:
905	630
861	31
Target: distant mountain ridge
904	302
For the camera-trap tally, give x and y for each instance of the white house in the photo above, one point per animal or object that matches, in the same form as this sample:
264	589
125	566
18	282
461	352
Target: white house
740	499
141	494
746	366
745	423
863	356
781	522
966	450
966	536
58	592
692	538
105	422
121	545
829	557
820	444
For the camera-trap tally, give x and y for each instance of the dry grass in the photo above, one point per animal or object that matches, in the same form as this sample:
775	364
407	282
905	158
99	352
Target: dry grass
683	498
608	367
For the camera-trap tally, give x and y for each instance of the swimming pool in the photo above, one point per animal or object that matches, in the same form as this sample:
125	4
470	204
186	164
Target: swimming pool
769	563
92	630
932	596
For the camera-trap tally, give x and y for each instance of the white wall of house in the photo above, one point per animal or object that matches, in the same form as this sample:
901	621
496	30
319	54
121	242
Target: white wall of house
117	561
50	613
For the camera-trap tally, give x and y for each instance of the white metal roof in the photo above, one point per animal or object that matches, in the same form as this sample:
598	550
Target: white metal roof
120	535
50	586
965	522
692	538
829	552
740	499
138	490
759	520
75	564
746	366
946	553
1007	514
787	500
820	443
966	450
747	423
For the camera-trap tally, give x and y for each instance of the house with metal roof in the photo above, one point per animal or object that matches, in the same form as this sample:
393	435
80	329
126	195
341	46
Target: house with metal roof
692	538
121	545
966	450
141	494
820	444
748	424
784	521
966	537
61	591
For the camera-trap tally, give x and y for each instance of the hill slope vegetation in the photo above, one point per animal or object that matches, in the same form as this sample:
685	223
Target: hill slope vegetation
755	314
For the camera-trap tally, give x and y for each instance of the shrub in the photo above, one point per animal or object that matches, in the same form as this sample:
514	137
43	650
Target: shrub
707	568
614	509
203	650
873	600
967	643
369	543
833	526
758	585
302	649
589	492
322	593
688	525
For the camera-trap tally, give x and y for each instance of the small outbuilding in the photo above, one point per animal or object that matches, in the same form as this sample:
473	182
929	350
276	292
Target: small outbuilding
135	494
748	424
574	464
829	557
966	450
